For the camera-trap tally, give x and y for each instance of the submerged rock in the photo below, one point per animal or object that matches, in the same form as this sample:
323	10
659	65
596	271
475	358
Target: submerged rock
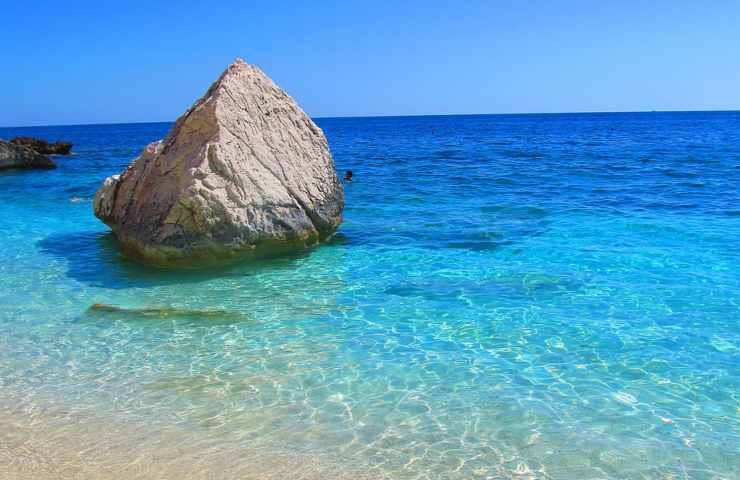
42	146
104	308
18	156
244	170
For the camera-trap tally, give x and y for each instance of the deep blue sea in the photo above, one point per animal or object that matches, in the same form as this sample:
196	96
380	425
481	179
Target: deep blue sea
509	296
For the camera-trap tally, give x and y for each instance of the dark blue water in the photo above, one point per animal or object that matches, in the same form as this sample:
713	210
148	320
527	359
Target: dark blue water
527	296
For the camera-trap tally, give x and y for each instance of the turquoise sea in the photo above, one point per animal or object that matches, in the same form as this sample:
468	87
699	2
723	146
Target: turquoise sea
509	296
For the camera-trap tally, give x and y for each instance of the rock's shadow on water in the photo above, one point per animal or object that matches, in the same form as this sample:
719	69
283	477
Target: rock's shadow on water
521	285
93	258
339	239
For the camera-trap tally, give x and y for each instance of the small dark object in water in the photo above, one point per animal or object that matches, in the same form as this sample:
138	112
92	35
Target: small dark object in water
348	176
42	146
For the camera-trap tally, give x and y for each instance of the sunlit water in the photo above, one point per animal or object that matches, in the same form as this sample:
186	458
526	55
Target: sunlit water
537	296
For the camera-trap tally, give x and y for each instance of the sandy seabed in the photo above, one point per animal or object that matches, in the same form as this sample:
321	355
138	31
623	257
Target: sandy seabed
55	445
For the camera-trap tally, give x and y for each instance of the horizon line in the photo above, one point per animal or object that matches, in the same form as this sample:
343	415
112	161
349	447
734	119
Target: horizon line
588	112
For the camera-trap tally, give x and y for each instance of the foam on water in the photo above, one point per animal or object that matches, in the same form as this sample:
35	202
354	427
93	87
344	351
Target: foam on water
549	296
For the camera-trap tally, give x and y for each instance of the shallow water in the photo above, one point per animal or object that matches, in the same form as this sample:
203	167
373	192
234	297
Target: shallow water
532	296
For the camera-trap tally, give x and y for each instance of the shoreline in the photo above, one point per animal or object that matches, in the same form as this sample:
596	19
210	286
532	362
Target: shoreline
60	446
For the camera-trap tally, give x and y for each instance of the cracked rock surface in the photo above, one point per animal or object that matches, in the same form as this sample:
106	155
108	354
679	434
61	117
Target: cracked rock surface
244	170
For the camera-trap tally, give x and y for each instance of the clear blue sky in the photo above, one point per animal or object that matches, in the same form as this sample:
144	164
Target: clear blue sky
98	61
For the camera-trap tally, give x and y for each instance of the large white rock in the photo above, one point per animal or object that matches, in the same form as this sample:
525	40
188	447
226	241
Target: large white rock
244	170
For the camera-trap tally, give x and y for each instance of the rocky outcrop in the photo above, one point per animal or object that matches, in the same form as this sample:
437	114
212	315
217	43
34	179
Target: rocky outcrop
18	156
42	146
243	171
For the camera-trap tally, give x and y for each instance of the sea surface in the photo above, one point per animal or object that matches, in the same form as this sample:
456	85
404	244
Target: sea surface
509	296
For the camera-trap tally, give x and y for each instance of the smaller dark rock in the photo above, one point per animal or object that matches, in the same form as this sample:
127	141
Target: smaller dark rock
18	156
42	146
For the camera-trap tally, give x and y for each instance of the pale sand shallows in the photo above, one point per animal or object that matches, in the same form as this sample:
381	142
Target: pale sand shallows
55	445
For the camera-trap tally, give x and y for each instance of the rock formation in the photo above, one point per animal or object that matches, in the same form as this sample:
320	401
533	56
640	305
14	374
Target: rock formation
18	156
244	170
42	146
